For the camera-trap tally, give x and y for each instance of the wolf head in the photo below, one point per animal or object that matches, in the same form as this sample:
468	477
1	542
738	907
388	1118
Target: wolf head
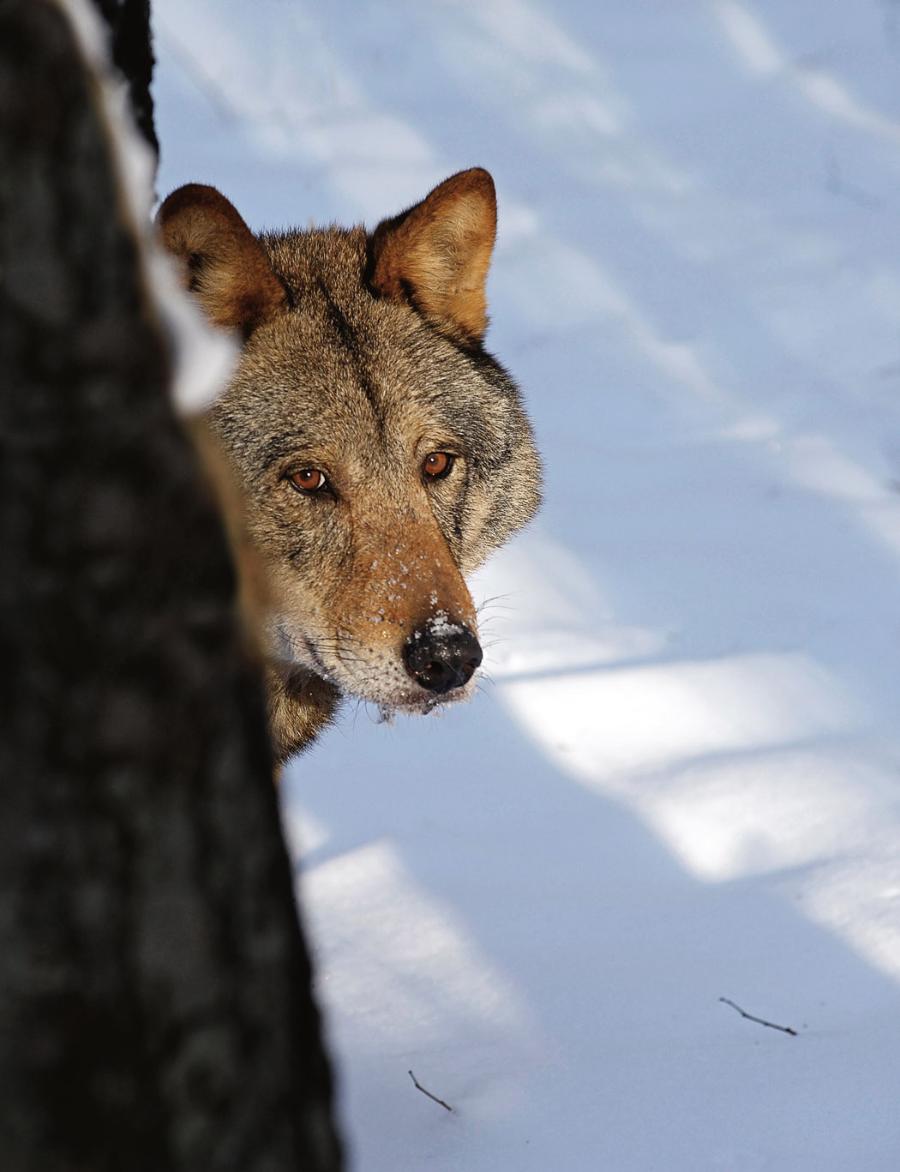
381	451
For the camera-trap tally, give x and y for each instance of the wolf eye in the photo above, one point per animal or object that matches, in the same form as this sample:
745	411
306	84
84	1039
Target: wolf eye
437	465
308	480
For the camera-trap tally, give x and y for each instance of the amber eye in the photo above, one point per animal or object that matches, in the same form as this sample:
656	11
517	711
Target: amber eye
308	480
437	465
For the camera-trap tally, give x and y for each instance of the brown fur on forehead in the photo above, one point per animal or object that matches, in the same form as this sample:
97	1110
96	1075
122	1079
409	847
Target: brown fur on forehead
347	376
344	358
304	259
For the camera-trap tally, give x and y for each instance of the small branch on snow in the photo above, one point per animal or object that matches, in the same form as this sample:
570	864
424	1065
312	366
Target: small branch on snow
419	1087
759	1020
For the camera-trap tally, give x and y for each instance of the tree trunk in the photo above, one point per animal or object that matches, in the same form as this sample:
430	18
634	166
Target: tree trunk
155	1002
132	54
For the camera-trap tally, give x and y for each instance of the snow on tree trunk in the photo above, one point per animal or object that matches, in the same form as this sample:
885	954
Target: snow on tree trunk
155	1002
132	54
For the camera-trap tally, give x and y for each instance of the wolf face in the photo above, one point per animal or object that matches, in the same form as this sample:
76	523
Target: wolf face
381	451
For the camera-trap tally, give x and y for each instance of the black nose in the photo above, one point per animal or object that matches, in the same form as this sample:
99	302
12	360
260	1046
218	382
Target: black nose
442	656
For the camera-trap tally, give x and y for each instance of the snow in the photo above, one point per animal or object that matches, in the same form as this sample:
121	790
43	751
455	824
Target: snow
681	779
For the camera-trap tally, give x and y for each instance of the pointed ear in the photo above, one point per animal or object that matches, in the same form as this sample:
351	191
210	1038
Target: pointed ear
224	263
436	255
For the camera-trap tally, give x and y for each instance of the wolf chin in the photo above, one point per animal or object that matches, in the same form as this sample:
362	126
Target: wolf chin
380	451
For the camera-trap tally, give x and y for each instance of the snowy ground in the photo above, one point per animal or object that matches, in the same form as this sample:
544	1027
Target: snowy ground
683	782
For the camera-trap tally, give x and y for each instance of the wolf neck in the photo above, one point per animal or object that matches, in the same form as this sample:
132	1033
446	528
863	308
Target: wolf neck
300	706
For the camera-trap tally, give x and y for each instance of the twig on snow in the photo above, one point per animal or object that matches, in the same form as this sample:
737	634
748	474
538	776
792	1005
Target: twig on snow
759	1020
419	1087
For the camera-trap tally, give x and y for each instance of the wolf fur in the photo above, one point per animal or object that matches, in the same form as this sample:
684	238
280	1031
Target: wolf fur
382	453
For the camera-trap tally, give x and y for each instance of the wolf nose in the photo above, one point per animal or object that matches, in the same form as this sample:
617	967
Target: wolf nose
441	660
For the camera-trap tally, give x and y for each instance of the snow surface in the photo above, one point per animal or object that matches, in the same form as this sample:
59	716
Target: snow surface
681	779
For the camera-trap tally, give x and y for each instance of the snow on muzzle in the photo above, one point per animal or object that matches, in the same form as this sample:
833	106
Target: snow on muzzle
442	655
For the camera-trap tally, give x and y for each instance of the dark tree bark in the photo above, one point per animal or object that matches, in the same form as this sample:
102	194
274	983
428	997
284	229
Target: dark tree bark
155	1002
132	54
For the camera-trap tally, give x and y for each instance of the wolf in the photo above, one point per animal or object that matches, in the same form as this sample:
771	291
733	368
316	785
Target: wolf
381	452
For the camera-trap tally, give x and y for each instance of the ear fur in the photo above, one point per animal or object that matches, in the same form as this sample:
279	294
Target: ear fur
436	254
224	263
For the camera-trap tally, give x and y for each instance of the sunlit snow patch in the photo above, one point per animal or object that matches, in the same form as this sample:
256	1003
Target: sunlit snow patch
401	959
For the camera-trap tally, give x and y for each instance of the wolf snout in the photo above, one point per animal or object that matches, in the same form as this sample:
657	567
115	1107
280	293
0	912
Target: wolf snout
442	656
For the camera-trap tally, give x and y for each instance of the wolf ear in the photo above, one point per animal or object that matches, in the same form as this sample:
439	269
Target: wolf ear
436	254
224	263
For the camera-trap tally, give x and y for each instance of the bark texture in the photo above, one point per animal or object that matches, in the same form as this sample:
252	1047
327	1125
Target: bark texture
155	992
131	49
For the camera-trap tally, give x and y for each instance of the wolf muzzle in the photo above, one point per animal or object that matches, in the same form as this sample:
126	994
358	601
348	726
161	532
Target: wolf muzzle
442	656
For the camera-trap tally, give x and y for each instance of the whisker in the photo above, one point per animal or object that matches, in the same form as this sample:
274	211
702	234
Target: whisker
488	623
493	598
496	603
